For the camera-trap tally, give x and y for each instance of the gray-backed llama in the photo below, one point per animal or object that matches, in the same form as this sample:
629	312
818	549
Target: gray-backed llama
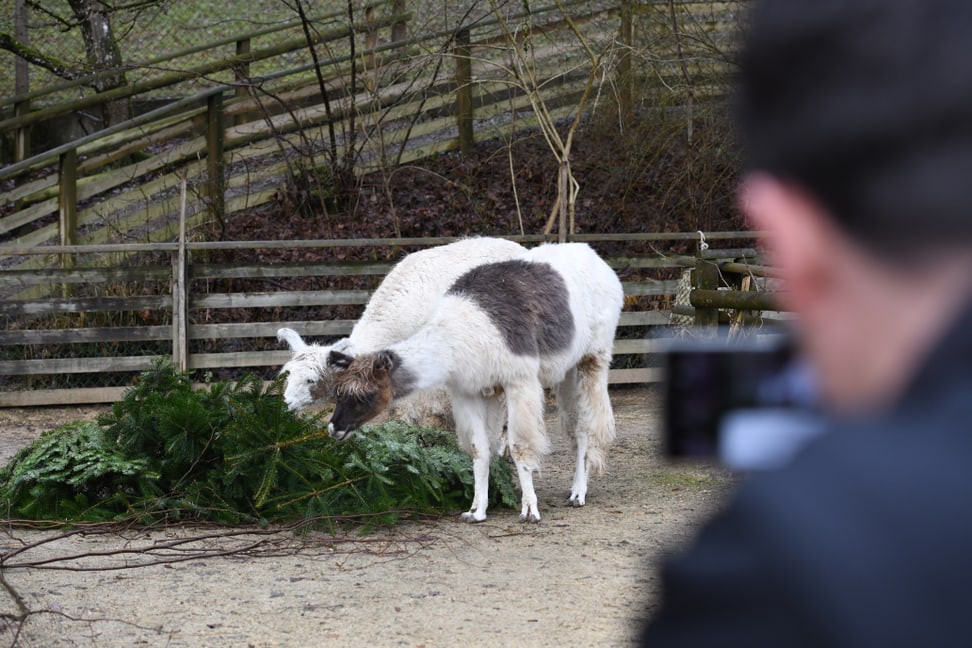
544	319
400	305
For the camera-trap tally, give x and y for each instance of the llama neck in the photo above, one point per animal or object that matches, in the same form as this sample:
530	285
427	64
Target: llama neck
424	362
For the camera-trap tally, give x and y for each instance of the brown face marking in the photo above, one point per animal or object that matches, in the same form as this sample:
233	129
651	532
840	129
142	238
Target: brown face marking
528	303
362	389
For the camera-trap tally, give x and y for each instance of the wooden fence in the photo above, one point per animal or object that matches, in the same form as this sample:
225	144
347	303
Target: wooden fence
97	282
390	98
182	301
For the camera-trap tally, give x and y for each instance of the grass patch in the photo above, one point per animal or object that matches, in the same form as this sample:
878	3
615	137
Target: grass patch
681	479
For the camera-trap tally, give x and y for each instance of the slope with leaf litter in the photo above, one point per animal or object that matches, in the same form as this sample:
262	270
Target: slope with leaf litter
646	178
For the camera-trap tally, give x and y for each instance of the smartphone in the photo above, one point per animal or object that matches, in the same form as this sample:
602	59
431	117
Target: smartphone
749	402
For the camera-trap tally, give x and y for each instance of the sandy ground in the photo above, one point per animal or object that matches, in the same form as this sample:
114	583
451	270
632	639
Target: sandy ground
582	577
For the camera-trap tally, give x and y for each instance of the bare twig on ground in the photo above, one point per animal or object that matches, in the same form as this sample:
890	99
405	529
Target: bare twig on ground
199	542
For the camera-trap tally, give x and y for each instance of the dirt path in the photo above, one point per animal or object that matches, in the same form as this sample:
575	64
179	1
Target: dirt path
582	577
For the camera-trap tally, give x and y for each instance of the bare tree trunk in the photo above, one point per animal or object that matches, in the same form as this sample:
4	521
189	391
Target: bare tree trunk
525	73
21	83
21	68
102	52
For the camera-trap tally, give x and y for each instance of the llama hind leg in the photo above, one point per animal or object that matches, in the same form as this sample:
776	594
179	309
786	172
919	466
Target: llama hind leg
578	487
527	441
567	414
595	421
470	417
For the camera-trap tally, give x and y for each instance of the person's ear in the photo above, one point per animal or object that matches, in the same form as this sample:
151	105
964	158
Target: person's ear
799	234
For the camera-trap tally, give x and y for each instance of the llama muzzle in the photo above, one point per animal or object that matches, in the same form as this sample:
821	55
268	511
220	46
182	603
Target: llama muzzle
335	433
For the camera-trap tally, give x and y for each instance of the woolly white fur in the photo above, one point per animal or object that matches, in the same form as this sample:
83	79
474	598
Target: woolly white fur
461	349
397	309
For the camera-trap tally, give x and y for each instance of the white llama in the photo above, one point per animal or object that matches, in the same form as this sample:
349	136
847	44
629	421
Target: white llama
396	310
544	319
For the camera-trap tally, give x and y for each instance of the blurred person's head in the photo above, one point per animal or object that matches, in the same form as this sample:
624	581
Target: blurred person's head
856	118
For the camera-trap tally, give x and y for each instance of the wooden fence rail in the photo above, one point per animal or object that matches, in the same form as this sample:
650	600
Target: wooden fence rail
176	303
236	142
85	306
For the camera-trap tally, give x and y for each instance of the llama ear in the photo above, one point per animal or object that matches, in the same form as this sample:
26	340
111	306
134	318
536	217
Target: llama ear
386	360
338	359
292	338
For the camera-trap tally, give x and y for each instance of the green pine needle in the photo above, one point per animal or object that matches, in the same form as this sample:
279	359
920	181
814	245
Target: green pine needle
234	453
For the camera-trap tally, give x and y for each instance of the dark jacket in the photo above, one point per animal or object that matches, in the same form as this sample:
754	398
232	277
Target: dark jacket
865	539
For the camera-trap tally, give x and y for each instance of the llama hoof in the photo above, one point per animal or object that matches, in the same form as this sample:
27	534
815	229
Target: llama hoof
575	498
530	517
471	517
575	501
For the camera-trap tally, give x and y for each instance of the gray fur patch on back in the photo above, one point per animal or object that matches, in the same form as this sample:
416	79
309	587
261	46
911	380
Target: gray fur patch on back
528	303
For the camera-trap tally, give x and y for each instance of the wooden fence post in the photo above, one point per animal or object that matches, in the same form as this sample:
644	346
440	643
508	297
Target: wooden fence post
22	133
214	156
399	27
706	278
371	38
67	204
623	75
242	76
180	342
686	76
464	97
21	83
67	209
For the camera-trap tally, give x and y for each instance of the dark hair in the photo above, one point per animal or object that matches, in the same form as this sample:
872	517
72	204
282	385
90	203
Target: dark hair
868	104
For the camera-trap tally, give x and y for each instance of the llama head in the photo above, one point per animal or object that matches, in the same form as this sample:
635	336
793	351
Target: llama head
308	375
363	388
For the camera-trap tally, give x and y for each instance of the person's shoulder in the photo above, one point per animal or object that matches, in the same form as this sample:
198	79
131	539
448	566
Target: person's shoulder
862	540
870	476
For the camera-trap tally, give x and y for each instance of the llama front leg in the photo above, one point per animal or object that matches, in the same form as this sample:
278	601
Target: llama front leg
527	441
470	415
477	512
529	508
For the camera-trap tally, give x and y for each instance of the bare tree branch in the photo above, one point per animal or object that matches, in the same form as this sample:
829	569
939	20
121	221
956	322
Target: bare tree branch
34	56
65	23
